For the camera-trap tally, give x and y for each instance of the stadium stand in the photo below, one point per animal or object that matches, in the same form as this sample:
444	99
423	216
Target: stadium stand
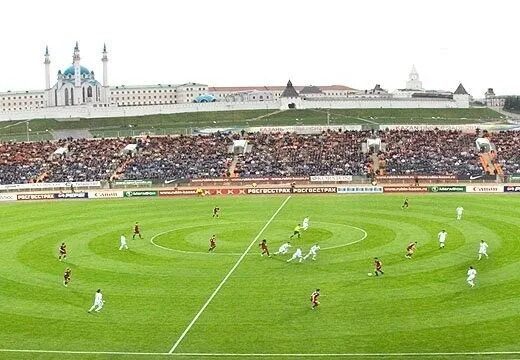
431	152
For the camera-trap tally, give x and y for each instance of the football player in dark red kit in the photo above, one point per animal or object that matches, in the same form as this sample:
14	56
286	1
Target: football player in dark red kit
410	249
263	247
378	267
212	242
137	231
66	276
63	252
314	299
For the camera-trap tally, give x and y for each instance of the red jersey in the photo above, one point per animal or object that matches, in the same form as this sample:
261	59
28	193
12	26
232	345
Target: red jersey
314	297
378	264
63	249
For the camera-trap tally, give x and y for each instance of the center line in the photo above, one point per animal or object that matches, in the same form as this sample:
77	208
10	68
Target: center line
226	278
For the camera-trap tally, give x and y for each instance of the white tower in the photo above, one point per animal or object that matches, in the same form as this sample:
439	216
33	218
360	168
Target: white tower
47	63
77	68
413	82
104	59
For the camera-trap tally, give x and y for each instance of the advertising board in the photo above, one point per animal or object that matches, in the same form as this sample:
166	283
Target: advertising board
447	189
140	193
177	192
107	194
485	188
35	197
74	195
331	178
360	190
408	189
7	197
512	189
226	192
263	191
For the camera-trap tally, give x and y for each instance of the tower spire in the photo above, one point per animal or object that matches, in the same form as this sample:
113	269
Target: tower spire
47	63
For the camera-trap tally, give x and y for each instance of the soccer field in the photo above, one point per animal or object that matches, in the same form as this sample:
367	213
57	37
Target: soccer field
168	294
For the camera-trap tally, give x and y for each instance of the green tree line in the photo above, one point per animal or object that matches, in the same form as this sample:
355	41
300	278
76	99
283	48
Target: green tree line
512	103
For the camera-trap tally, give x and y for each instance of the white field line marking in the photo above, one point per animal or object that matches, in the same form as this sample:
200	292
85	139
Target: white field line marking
152	239
227	277
365	235
317	355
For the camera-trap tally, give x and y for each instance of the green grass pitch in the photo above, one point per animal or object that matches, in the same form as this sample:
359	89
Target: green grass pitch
153	293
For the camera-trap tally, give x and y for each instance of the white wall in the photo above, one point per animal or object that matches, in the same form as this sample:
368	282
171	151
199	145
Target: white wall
88	111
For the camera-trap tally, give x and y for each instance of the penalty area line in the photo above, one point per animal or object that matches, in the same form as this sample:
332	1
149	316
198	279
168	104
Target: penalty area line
215	292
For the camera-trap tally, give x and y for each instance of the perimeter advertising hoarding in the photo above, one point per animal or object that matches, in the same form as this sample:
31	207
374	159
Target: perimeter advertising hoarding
303	190
512	189
226	192
75	195
255	179
132	183
140	193
35	196
51	185
409	189
331	178
360	190
177	192
105	194
447	189
421	177
485	189
7	197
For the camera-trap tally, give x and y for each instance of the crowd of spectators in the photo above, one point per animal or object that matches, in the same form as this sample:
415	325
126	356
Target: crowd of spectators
291	154
507	150
181	157
432	152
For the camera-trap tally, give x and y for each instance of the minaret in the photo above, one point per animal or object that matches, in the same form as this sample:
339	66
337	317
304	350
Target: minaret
77	69
104	59
47	63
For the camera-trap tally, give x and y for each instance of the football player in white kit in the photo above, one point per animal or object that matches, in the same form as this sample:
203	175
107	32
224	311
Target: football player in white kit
482	250
472	274
122	242
283	249
459	211
442	238
297	255
313	251
98	301
305	223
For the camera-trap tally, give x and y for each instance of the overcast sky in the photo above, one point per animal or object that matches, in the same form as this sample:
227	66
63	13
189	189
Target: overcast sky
265	42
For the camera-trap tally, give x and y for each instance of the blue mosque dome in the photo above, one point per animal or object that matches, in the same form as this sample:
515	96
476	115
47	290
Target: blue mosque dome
70	71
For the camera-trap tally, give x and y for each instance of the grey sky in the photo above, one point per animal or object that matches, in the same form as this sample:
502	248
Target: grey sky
236	42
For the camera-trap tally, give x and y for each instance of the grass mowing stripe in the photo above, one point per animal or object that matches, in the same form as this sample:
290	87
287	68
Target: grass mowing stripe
227	277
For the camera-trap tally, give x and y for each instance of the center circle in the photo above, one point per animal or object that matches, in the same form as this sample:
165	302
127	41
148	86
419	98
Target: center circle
233	237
